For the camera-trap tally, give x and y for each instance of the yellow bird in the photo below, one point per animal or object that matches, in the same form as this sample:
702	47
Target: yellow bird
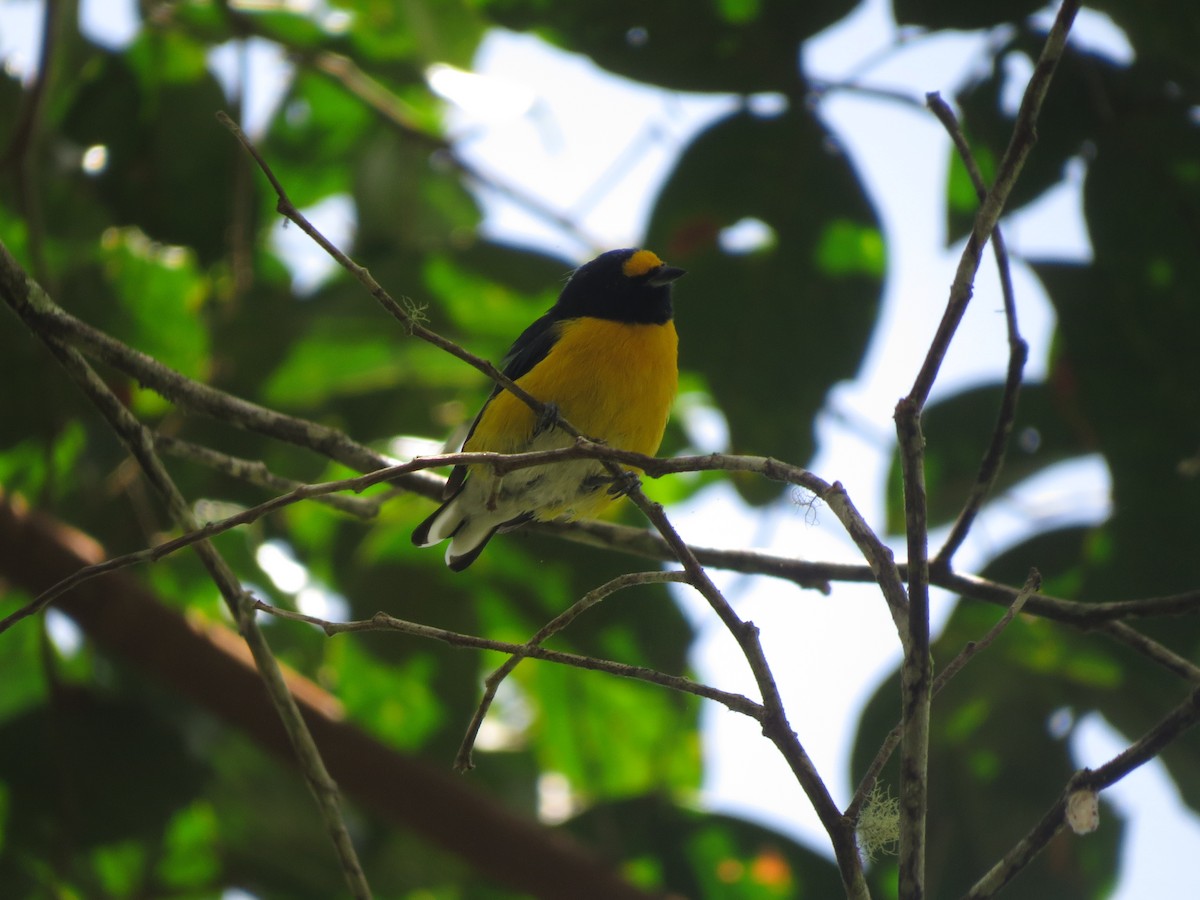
606	356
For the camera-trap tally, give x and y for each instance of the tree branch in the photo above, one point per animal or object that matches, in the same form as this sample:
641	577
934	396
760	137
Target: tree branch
647	544
1019	146
774	723
462	760
23	294
1152	743
383	622
916	669
206	664
915	673
969	652
1018	352
255	471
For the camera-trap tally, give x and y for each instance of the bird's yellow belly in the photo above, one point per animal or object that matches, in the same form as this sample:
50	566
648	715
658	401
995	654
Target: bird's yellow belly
613	381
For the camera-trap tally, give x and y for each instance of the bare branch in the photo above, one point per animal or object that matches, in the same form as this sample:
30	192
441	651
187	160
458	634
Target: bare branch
255	471
1018	349
462	760
775	723
288	210
23	295
915	673
1020	144
916	669
969	652
1151	744
384	622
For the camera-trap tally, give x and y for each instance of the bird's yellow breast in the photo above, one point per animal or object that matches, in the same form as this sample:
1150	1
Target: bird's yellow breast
612	380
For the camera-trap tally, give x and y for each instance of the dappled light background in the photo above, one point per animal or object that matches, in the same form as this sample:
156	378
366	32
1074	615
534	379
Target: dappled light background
821	222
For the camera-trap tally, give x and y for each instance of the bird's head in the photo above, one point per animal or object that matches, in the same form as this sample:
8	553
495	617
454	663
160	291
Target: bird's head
624	285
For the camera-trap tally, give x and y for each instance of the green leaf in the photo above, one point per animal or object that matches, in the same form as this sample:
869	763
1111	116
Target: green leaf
167	56
938	15
958	430
161	294
961	197
421	33
847	248
166	154
119	868
317	130
580	712
991	739
482	306
20	658
396	701
190	856
346	356
735	45
693	854
770	331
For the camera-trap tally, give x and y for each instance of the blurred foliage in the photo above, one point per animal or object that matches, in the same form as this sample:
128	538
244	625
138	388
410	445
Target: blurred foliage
109	787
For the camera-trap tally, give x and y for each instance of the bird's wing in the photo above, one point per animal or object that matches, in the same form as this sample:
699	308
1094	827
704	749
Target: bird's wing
526	352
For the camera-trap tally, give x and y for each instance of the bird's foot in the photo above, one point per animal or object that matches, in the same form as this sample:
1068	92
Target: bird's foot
616	485
547	418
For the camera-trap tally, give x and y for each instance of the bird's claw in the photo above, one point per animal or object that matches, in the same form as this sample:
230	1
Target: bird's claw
617	485
547	418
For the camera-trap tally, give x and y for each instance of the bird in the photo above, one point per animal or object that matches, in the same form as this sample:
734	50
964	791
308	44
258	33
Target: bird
604	357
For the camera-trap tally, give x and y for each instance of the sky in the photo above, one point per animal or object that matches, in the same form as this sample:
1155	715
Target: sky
518	117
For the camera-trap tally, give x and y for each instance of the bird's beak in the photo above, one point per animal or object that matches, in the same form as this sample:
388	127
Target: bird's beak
665	275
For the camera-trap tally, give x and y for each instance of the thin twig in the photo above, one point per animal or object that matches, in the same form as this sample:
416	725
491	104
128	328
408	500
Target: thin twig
776	727
915	672
209	401
647	544
1100	617
1152	650
1020	144
1072	612
1018	351
462	760
255	471
24	295
383	622
973	648
879	557
1151	744
969	652
288	210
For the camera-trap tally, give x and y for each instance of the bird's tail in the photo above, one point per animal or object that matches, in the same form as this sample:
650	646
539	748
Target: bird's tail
468	532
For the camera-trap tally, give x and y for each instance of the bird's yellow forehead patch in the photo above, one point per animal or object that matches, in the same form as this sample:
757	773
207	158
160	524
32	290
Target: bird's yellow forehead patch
640	263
